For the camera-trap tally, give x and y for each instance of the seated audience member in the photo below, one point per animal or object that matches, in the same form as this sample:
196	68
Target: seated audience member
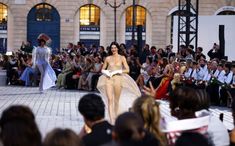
175	82
228	77
82	84
145	72
192	139
129	131
62	137
18	127
73	77
92	108
94	73
28	71
199	55
56	64
68	68
148	109
162	90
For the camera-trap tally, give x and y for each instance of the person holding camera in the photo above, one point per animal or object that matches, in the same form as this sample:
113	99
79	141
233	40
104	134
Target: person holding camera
215	52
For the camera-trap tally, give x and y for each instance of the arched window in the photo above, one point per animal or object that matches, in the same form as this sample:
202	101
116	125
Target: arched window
3	14
44	18
43	12
140	19
227	13
140	16
89	15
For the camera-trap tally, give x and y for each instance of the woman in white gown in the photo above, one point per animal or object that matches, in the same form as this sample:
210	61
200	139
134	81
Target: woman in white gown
116	85
41	55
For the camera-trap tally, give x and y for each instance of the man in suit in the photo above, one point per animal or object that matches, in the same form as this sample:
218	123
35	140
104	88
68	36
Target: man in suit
92	108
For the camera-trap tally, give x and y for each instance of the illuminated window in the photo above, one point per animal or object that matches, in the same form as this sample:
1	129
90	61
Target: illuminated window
89	15
140	16
43	12
227	13
3	13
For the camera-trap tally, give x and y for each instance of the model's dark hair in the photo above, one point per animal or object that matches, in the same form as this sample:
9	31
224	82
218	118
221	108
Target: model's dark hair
92	107
110	48
18	127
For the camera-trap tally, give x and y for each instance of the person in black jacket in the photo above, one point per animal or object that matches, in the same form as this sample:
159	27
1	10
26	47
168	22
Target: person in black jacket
215	52
92	108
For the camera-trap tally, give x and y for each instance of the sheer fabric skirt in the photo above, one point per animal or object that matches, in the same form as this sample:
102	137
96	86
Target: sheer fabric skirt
130	91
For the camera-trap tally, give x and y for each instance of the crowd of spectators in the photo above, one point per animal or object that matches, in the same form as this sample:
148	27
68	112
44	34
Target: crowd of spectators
189	80
79	67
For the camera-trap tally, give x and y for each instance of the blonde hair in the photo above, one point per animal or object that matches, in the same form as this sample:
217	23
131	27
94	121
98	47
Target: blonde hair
176	80
149	111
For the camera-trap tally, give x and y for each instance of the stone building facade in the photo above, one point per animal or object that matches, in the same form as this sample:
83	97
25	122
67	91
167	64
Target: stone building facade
157	26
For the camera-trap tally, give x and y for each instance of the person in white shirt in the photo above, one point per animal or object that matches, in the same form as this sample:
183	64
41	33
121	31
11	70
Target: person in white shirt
203	69
195	70
227	81
189	69
220	76
213	86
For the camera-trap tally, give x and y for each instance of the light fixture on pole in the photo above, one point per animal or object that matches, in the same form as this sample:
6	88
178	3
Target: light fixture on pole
115	6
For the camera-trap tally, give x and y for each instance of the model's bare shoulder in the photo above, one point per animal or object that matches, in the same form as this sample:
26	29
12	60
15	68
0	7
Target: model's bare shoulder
108	57
123	57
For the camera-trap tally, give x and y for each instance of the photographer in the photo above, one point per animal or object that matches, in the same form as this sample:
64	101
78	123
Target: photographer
215	52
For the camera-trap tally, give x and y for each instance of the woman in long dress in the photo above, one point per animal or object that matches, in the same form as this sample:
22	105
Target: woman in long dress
118	87
41	55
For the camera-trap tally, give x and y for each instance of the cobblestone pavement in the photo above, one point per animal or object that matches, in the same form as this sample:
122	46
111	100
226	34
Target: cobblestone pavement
58	108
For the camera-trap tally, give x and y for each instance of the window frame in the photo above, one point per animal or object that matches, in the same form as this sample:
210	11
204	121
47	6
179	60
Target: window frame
44	10
96	16
2	8
131	15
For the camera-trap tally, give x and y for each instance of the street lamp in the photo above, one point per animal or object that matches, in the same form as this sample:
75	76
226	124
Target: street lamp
115	6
